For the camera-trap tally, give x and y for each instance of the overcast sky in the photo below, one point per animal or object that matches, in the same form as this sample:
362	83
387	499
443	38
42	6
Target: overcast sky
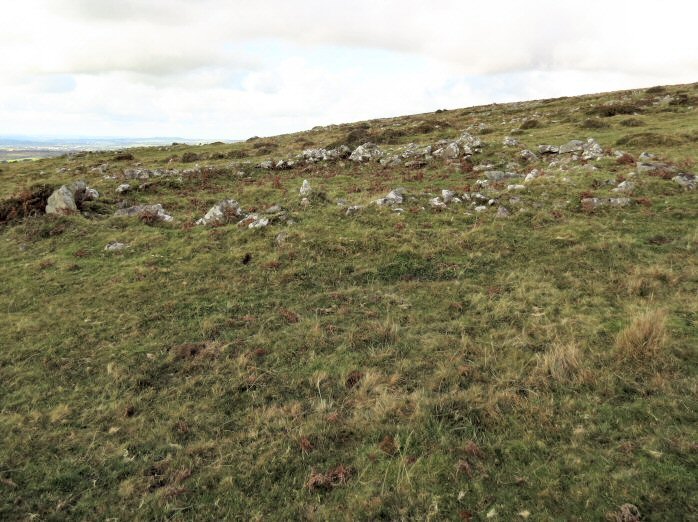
229	69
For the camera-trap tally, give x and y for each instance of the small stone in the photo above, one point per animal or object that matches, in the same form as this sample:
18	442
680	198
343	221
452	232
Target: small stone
502	212
123	188
437	203
305	190
535	173
480	208
528	155
259	223
548	149
447	195
354	209
221	213
115	246
510	142
515	187
625	186
687	181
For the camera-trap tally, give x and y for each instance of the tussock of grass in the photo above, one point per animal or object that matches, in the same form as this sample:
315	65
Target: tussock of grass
643	341
561	363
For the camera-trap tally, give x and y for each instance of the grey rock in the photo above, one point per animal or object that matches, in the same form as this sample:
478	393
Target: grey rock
437	203
502	212
90	194
480	208
61	202
498	175
394	197
447	195
267	165
221	213
687	181
260	222
625	187
354	209
592	150
572	146
140	210
535	173
508	141
528	155
306	189
123	188
548	149
115	246
366	152
515	187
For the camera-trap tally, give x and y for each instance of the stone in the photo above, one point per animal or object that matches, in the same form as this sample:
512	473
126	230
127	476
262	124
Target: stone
221	213
687	181
502	212
602	202
498	175
548	149
90	194
592	150
528	155
447	195
469	142
480	208
645	156
354	209
123	188
260	222
437	203
142	210
366	152
61	202
137	173
572	146
267	165
626	187
394	197
306	189
508	141
280	239
535	173
515	187
115	246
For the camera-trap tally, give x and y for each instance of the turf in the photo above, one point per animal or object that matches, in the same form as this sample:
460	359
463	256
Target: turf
430	364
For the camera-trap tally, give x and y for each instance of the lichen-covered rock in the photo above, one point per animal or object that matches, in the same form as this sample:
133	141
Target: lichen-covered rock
123	188
498	175
591	150
625	187
528	155
221	213
548	149
535	173
115	246
508	141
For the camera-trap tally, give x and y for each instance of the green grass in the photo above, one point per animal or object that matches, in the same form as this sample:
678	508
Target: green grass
493	354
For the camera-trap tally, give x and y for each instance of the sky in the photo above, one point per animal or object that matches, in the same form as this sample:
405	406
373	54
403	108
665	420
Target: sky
231	69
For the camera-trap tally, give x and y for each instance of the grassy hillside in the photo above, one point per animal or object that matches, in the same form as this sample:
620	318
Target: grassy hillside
439	363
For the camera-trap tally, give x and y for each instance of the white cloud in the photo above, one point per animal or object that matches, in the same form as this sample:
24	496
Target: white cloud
215	68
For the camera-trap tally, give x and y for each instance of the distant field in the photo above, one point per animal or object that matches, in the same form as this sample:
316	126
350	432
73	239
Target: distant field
512	336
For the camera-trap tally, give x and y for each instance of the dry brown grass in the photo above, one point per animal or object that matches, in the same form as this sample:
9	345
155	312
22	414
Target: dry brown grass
561	363
644	339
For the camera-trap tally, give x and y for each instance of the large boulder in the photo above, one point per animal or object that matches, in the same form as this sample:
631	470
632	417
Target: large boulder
221	213
68	198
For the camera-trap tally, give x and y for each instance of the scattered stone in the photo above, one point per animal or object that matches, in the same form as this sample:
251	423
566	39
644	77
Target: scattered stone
366	152
90	194
646	156
515	187
143	210
259	222
221	213
510	142
115	246
437	203
305	190
354	209
626	187
480	208
123	188
548	149
572	146
535	173
447	195
528	155
602	202
267	165
498	175
687	181
394	197
592	150
502	212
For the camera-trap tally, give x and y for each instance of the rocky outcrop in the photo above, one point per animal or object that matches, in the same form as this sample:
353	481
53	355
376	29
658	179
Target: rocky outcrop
221	213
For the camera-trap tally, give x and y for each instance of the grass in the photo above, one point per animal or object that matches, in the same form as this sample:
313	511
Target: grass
428	364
